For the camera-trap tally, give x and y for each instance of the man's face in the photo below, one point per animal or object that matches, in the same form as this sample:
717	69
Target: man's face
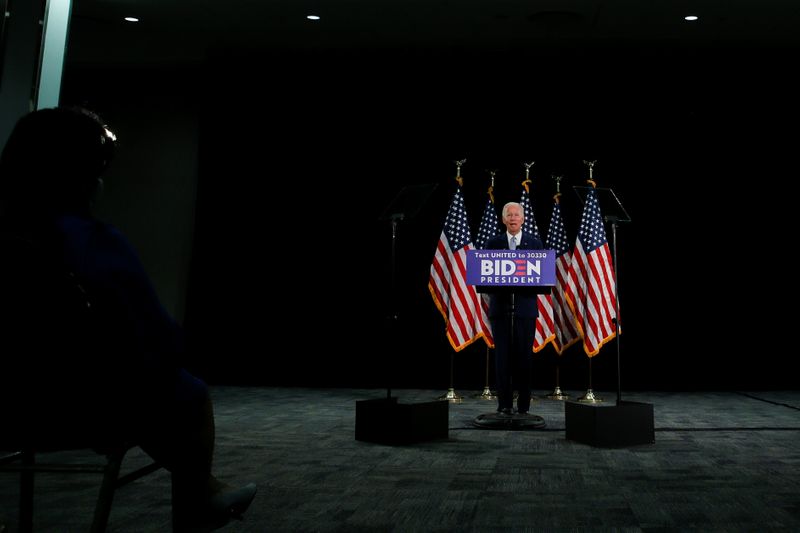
513	219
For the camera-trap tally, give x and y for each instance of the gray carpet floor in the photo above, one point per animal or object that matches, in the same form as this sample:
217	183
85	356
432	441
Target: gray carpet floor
721	461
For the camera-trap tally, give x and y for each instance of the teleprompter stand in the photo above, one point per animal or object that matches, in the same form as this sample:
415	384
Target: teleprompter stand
625	423
386	420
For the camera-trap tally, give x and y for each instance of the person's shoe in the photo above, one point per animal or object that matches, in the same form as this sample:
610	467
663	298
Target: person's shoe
506	411
226	504
232	502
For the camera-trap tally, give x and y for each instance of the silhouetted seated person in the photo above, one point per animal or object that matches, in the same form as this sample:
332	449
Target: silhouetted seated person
88	349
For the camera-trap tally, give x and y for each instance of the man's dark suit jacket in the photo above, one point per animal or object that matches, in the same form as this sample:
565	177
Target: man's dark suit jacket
525	301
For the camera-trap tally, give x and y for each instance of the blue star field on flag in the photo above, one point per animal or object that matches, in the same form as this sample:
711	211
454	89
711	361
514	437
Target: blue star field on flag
529	226
592	233
557	234
490	225
456	227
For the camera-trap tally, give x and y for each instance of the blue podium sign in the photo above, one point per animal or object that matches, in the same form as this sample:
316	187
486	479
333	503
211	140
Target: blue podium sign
511	268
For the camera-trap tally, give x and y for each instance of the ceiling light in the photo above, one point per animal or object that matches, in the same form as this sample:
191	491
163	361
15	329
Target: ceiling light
132	19
312	17
690	17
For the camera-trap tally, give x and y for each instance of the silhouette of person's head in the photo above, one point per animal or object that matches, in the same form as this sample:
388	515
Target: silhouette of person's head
53	162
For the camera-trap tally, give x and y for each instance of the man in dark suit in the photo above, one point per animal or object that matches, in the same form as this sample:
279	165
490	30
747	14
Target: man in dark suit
513	318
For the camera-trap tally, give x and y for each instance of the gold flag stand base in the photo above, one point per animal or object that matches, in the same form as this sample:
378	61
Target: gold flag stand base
451	396
589	397
558	395
487	394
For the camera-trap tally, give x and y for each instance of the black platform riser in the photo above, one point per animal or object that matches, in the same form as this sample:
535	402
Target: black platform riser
622	424
387	421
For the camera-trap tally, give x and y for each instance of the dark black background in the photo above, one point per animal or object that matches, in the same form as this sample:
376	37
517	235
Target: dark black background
301	151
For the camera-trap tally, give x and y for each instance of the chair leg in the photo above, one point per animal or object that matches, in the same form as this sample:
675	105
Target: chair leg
102	510
26	493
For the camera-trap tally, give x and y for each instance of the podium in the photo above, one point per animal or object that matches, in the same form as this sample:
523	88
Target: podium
386	420
512	278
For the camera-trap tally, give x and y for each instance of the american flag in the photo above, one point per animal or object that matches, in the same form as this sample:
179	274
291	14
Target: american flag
490	223
489	227
529	226
545	331
591	283
566	330
464	316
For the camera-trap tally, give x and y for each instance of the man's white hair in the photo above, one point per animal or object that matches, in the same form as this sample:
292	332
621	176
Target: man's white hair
509	204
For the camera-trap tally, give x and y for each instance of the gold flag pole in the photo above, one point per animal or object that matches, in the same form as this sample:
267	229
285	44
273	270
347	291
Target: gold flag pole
487	393
451	395
526	184
557	394
589	397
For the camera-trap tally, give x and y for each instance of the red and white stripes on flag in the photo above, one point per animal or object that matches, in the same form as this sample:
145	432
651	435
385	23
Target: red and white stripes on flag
566	330
545	325
545	328
459	303
591	281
